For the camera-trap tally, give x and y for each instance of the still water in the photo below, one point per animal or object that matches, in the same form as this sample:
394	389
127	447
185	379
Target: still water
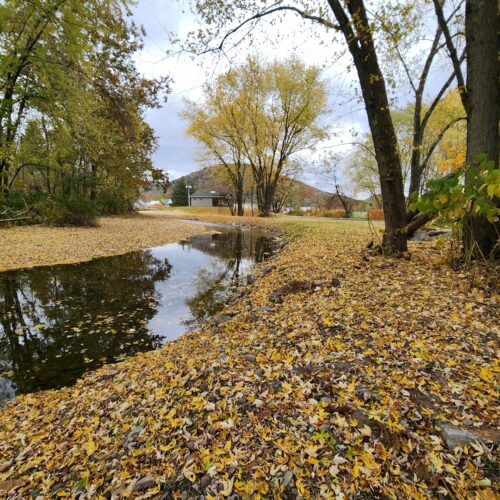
57	322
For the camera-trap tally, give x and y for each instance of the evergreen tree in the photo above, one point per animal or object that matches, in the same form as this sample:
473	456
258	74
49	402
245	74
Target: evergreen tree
180	194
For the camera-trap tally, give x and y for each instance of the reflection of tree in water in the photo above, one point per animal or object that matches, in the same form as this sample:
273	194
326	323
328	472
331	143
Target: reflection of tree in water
57	322
212	284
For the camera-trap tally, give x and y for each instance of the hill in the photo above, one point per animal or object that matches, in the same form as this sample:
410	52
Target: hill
305	195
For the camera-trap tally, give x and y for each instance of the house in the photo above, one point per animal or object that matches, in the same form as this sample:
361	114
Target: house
208	199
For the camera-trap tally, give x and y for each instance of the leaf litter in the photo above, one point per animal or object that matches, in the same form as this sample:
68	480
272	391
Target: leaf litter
336	375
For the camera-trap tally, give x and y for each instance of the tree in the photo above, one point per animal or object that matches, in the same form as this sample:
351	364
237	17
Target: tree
403	26
350	19
260	115
180	194
71	117
213	125
480	98
330	172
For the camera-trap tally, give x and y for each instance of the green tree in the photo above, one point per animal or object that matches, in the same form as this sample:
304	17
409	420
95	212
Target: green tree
71	117
180	194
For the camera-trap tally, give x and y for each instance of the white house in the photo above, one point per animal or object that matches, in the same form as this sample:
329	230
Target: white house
207	199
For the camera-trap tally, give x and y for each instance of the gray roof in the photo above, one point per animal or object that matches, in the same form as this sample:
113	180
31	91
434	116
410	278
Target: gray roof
207	194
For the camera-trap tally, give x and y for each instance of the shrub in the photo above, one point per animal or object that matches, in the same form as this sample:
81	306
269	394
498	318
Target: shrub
71	211
296	212
334	214
112	203
376	214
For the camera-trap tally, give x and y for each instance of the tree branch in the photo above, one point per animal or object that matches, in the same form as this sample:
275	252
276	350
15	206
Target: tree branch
260	15
438	6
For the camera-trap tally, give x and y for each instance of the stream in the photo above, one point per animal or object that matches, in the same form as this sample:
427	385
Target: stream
57	322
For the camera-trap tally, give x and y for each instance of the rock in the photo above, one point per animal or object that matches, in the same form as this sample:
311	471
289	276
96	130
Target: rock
145	483
287	478
205	481
251	357
222	357
420	235
275	298
250	279
318	282
453	436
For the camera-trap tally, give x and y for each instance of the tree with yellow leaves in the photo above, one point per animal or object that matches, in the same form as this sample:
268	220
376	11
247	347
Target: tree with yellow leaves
260	115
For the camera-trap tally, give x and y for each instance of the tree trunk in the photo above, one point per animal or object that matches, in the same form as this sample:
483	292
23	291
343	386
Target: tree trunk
362	49
482	43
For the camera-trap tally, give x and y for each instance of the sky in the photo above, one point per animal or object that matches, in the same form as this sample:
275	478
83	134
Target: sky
177	153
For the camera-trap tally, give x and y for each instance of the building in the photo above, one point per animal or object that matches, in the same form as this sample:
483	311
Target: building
208	199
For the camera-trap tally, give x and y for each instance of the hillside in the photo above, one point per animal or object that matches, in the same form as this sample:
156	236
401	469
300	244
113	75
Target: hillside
207	179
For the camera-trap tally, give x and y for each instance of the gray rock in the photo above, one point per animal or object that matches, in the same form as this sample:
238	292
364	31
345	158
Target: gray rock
287	478
223	357
250	279
318	282
454	436
251	357
420	235
145	483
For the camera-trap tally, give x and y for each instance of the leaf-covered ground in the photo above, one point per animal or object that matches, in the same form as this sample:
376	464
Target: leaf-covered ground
338	374
29	246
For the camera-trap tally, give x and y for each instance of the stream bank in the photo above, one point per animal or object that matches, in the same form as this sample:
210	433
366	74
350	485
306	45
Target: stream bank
338	373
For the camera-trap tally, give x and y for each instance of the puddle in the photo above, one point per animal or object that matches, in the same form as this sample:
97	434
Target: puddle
57	322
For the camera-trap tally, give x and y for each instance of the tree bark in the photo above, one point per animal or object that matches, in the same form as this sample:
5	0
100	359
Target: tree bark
362	49
483	98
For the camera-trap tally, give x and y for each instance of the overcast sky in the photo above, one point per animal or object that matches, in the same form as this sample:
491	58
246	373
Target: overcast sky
177	152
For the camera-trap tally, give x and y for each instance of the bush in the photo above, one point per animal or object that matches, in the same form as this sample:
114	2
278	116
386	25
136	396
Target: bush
296	212
112	203
71	211
376	214
334	214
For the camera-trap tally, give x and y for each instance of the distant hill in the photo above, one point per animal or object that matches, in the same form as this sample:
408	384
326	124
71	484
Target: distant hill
206	179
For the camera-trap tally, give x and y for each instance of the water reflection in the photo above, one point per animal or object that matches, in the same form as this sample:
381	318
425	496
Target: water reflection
57	322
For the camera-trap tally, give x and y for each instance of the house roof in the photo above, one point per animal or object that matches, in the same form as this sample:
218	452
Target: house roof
207	194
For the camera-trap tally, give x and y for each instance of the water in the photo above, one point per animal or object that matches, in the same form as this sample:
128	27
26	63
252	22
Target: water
57	322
